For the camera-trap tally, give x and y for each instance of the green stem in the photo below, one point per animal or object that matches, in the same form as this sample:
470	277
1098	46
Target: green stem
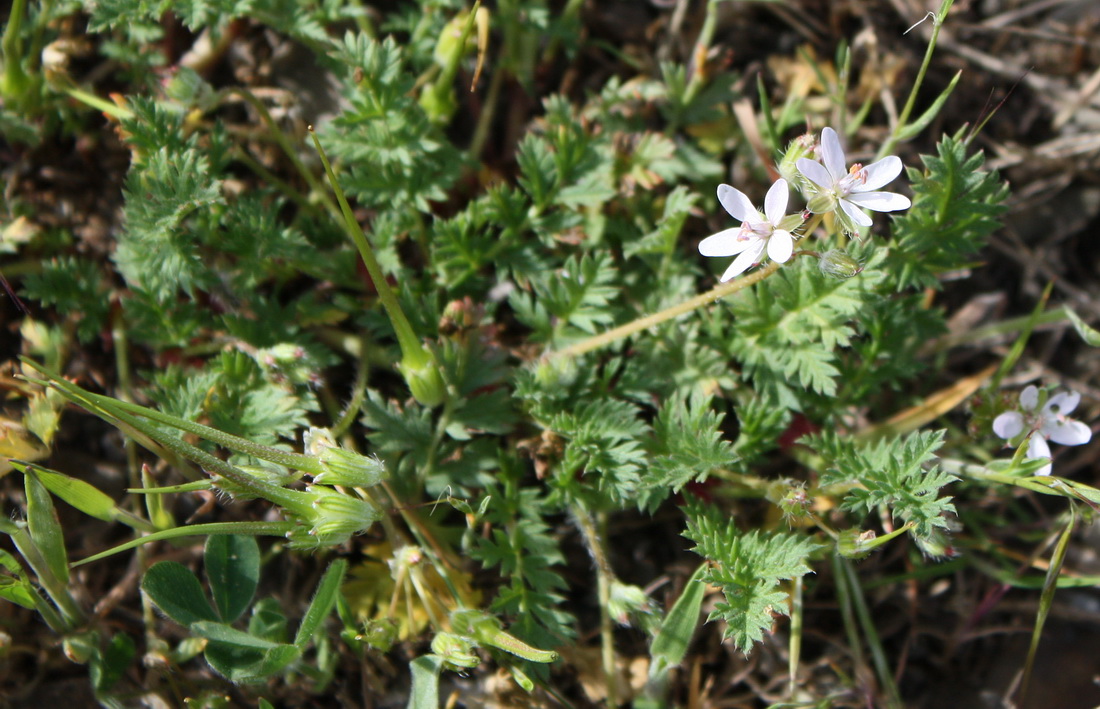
719	291
277	133
413	353
15	80
903	118
878	655
604	577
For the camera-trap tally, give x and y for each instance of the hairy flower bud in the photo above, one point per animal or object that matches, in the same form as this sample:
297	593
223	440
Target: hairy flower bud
455	650
800	147
341	467
854	544
838	264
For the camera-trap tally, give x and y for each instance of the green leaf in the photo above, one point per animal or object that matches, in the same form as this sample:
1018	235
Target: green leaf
915	128
178	593
896	474
324	600
268	621
749	569
222	633
107	668
671	644
232	563
44	527
425	682
1090	335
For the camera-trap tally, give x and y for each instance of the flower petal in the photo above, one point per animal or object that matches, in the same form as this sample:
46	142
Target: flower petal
1008	425
1029	397
1067	432
1063	403
737	204
832	154
775	202
727	242
880	201
780	246
815	172
747	258
879	174
854	214
1037	448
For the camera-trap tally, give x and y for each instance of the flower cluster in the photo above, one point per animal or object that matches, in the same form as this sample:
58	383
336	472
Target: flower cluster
1042	422
827	185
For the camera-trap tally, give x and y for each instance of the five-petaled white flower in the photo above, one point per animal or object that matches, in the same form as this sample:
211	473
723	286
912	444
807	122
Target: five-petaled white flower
1049	422
757	232
837	186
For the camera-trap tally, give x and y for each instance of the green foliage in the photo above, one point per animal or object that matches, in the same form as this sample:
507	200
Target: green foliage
232	570
75	287
787	334
240	312
749	568
686	446
579	295
896	474
525	551
956	208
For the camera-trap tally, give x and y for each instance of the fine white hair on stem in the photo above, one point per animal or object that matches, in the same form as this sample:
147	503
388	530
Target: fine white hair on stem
930	14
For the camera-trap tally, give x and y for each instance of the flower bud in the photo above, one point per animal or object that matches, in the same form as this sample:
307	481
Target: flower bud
796	503
455	650
838	264
800	147
424	381
80	647
341	467
333	518
854	544
556	372
821	202
380	634
487	630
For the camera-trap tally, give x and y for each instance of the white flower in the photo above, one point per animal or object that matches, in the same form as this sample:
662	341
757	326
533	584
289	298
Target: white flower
1049	422
757	232
854	188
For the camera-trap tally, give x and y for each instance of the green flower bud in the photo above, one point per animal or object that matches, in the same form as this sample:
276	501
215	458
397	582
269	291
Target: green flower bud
380	634
854	544
800	147
487	630
838	264
81	647
551	372
333	518
424	381
795	504
341	467
821	202
455	650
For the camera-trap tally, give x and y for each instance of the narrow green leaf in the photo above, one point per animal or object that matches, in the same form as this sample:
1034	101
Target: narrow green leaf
671	643
323	602
44	526
425	682
1090	335
83	496
233	572
222	633
912	130
1046	599
275	529
177	592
